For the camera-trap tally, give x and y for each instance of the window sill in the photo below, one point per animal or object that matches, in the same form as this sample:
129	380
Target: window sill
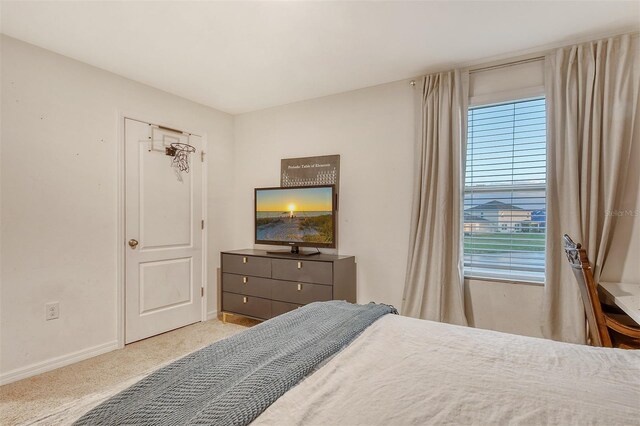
503	280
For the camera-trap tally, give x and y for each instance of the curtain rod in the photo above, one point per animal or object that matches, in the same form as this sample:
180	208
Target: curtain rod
507	64
497	66
541	51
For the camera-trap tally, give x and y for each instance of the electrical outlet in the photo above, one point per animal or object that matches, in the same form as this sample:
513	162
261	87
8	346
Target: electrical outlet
52	311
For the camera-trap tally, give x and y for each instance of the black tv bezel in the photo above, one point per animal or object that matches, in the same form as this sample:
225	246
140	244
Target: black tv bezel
334	212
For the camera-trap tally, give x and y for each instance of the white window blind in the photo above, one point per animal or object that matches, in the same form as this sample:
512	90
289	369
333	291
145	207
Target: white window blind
505	186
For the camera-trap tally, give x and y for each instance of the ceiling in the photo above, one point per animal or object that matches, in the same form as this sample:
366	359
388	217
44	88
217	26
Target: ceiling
244	56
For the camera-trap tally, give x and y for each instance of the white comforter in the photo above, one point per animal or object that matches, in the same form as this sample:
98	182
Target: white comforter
403	371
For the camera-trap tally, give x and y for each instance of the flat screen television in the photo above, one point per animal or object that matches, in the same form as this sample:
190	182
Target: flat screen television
296	217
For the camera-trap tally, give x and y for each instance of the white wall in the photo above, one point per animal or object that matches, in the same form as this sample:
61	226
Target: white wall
59	199
373	132
503	306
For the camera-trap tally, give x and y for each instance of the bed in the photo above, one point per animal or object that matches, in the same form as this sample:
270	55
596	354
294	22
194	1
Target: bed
387	369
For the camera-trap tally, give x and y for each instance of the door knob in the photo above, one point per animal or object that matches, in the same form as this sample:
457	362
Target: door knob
133	243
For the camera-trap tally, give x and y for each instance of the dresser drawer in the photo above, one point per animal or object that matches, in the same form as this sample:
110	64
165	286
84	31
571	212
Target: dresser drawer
246	265
279	308
300	293
246	305
302	270
247	284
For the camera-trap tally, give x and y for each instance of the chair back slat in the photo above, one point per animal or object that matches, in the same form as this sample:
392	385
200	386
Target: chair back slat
579	262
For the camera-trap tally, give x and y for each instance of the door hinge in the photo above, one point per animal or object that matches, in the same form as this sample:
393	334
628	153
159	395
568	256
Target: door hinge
201	291
202	224
202	156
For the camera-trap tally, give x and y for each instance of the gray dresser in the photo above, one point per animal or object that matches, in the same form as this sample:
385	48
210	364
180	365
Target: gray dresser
261	286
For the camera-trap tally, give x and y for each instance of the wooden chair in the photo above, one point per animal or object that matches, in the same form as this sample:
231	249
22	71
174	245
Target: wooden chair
606	328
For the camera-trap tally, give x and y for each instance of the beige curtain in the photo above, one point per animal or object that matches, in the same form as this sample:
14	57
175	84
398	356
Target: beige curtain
433	287
592	108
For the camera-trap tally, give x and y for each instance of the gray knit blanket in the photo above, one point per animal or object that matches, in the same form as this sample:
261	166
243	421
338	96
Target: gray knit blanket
233	380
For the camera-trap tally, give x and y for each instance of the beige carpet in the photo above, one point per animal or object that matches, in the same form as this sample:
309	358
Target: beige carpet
33	399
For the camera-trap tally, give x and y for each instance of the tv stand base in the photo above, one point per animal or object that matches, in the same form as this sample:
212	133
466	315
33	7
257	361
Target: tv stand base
295	251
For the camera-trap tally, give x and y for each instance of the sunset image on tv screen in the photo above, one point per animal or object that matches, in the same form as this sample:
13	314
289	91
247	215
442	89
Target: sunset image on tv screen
303	215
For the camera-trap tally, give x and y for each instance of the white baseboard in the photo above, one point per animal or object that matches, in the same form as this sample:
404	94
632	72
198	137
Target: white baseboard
57	362
212	315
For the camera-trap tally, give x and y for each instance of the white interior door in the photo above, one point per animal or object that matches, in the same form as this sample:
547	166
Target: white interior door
163	239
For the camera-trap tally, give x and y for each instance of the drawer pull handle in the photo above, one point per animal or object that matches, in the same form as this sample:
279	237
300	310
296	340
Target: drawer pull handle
245	279
299	287
244	299
299	265
244	260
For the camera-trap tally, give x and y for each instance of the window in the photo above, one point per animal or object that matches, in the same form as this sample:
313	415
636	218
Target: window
504	197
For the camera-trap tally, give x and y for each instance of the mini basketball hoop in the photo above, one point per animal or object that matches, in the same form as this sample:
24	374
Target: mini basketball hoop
180	152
